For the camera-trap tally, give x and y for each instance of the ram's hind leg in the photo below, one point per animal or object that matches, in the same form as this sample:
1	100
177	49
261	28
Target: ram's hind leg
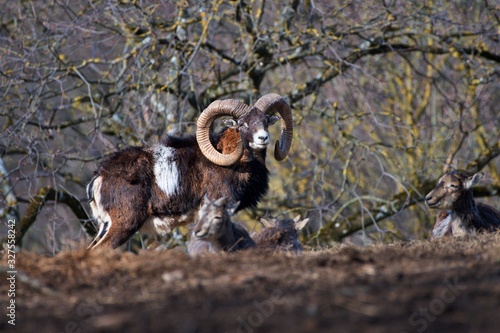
119	229
119	208
101	216
103	229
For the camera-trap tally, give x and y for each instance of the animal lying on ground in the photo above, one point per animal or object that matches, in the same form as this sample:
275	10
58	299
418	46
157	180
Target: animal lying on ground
215	232
281	235
462	215
162	185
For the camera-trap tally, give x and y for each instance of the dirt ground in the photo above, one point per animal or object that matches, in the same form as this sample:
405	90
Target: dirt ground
450	285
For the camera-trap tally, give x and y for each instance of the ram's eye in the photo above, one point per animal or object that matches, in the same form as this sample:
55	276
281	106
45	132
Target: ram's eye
453	186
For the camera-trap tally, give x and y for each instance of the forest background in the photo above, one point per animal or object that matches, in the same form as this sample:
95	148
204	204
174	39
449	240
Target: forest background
386	97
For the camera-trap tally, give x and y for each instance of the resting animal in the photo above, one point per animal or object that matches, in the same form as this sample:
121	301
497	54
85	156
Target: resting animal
215	232
281	235
462	216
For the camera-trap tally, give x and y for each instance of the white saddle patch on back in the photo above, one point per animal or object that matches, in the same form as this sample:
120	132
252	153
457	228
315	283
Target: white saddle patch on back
165	169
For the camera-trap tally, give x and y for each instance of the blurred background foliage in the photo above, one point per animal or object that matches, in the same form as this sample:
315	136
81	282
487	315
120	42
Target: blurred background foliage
386	96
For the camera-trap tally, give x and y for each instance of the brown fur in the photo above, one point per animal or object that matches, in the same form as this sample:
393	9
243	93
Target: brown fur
281	235
215	232
131	196
229	142
460	214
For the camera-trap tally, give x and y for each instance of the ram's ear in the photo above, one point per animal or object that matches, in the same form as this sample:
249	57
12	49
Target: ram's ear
231	123
273	119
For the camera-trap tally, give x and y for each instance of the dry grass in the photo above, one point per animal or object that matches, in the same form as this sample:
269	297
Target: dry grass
350	288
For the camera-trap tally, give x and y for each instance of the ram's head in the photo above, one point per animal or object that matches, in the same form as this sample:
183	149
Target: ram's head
252	123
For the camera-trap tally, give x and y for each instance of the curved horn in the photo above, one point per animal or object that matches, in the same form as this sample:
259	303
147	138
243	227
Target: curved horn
228	107
267	104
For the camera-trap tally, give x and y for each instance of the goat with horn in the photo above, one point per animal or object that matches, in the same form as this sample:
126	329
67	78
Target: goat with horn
162	185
